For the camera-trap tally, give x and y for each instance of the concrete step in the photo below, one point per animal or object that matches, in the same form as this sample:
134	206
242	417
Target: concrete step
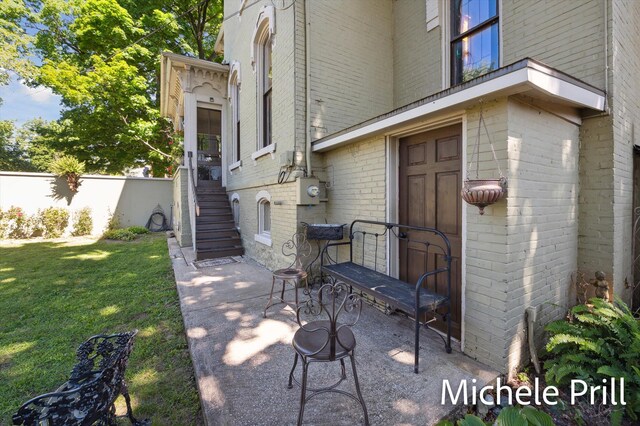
212	211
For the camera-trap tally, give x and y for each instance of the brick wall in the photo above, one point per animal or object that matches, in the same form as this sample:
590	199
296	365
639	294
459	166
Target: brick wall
625	106
542	229
351	62
181	223
567	35
417	54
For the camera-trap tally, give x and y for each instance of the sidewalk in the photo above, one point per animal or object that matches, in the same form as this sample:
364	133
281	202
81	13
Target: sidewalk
242	361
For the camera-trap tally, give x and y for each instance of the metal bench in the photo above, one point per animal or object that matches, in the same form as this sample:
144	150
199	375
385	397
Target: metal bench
89	395
361	272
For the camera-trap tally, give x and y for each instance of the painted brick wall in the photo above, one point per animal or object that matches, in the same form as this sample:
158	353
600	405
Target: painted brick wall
542	228
417	54
486	288
181	222
567	35
238	40
626	110
351	62
357	185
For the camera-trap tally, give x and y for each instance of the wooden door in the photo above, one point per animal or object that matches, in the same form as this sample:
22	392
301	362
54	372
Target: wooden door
430	179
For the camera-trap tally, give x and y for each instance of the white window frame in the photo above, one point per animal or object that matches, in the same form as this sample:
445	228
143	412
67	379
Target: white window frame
263	33
263	236
234	88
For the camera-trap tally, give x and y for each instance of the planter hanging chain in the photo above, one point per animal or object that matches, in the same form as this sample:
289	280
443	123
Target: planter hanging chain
476	147
483	192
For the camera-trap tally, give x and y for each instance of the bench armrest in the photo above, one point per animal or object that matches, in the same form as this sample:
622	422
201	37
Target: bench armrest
326	247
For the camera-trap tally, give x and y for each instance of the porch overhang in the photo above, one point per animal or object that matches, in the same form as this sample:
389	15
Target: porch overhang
523	77
172	66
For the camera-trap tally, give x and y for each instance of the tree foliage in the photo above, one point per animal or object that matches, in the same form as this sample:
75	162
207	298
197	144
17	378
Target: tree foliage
102	58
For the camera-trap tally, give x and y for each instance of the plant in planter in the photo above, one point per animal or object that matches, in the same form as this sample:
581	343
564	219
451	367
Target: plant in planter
70	168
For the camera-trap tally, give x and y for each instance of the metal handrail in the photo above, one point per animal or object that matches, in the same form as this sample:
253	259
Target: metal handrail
193	185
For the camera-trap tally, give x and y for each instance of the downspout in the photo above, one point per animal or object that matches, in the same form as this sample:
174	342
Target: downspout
307	80
606	53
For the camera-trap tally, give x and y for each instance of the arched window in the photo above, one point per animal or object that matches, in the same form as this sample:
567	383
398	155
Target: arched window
261	61
264	218
235	208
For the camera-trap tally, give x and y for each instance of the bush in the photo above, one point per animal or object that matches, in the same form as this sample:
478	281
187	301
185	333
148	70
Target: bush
509	416
119	234
138	230
598	341
53	221
82	222
69	167
15	223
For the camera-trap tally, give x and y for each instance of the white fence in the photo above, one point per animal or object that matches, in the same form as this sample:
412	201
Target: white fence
129	199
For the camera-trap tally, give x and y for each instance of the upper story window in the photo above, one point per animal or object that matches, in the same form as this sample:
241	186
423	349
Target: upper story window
475	48
265	84
234	95
263	41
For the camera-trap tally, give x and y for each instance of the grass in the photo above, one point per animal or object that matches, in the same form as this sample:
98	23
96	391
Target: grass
55	295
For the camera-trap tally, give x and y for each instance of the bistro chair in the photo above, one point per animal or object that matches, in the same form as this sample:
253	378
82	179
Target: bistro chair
299	247
327	337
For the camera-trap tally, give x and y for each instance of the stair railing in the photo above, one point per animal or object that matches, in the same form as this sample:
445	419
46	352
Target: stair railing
193	184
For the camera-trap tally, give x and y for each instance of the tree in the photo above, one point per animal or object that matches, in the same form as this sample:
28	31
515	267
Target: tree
102	58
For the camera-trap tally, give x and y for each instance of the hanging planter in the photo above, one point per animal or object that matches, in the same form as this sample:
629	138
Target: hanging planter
483	192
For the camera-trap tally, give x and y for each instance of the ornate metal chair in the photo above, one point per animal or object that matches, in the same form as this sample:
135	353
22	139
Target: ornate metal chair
89	395
295	274
327	338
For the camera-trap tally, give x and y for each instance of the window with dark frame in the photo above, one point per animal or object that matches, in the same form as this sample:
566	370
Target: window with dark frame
475	44
266	93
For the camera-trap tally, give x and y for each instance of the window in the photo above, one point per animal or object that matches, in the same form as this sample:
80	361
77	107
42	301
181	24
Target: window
235	209
264	218
474	39
264	76
234	94
261	55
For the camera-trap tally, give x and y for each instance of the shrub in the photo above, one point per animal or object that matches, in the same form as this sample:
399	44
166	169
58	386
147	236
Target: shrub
15	223
119	234
509	416
598	341
53	221
69	167
138	230
82	222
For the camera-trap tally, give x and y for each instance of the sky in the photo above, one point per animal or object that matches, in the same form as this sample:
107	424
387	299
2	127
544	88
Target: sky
22	103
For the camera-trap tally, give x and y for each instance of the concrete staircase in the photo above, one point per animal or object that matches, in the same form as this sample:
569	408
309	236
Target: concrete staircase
216	234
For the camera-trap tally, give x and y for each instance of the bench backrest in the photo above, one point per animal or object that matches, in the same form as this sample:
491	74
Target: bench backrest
94	385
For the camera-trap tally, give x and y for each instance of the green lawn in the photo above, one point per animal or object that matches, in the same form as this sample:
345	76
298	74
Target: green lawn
55	295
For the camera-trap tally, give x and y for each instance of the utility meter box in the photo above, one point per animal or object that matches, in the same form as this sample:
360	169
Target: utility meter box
307	191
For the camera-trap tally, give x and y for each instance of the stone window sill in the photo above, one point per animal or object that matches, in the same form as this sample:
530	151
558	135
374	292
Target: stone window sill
269	149
235	166
263	239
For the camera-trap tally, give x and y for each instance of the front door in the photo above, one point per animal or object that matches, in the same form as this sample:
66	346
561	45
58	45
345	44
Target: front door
209	147
430	179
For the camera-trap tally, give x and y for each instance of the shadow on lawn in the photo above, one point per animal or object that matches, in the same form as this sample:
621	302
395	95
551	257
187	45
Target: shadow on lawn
54	296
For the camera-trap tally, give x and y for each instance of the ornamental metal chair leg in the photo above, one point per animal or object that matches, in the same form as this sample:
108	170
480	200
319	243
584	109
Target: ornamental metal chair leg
303	392
355	378
282	291
273	284
127	399
295	362
448	345
344	370
417	346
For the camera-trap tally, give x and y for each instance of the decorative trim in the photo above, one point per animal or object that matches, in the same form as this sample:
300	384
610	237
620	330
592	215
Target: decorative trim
234	74
235	196
263	195
267	16
269	149
234	166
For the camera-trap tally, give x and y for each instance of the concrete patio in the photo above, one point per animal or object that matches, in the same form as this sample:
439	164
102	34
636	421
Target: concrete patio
242	361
